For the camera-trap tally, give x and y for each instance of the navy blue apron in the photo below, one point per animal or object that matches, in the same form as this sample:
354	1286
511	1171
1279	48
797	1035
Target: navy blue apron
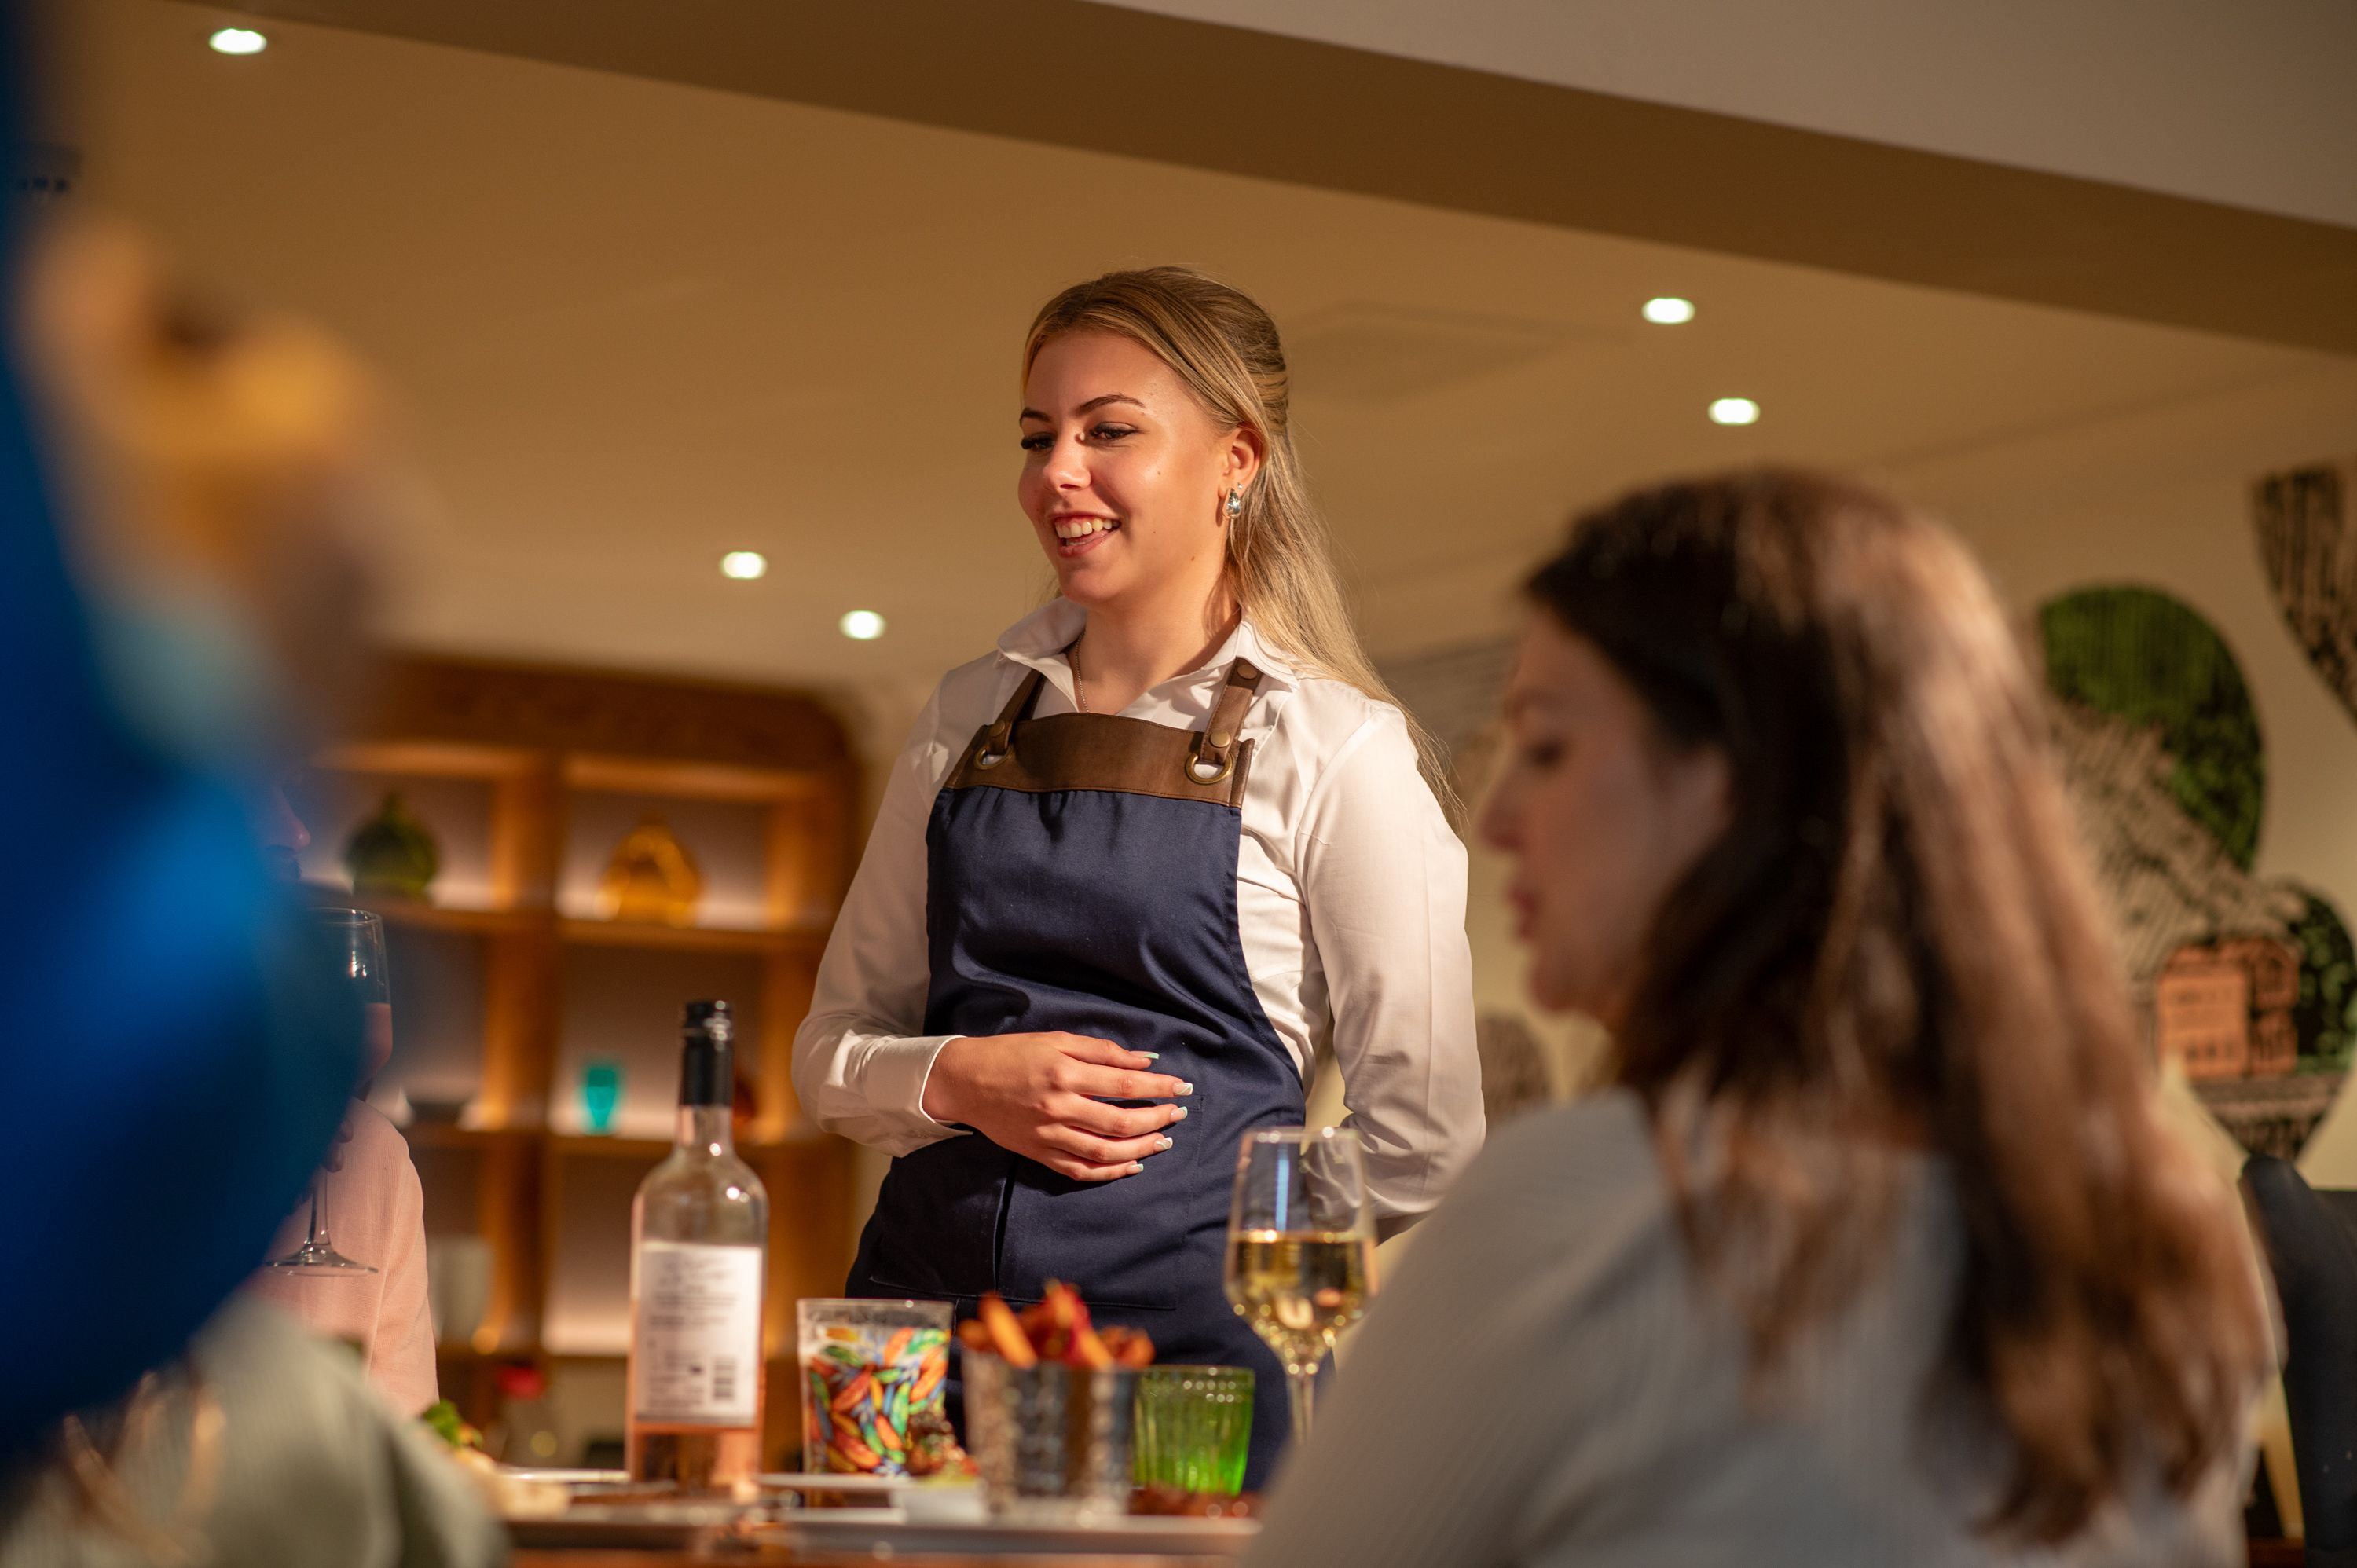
1082	877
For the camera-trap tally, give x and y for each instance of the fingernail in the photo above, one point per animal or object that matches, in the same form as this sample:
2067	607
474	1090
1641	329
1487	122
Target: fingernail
1186	1088
1134	1167
1162	1142
1151	1056
1179	1113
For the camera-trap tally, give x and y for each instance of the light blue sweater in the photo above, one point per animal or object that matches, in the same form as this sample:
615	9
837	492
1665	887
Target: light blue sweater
1544	1383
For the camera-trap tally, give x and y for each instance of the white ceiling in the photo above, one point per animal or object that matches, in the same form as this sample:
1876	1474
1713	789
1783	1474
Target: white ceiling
637	325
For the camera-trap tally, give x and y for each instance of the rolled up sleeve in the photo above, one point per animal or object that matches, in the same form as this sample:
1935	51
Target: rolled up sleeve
861	1059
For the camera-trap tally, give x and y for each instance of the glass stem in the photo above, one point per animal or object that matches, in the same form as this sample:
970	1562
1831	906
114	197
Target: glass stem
1303	1386
317	1237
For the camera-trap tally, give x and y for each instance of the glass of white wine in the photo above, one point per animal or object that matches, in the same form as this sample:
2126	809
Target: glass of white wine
1301	1249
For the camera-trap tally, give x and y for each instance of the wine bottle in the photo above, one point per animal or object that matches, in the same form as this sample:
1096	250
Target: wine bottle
699	1246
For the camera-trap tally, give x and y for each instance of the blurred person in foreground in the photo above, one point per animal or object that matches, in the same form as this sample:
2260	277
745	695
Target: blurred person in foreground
172	1063
175	1058
1876	1251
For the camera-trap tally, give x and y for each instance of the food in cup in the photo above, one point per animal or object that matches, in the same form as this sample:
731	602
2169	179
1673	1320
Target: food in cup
875	1408
1054	1331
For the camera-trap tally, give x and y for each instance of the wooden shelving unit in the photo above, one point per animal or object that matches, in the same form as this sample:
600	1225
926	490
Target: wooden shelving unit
505	983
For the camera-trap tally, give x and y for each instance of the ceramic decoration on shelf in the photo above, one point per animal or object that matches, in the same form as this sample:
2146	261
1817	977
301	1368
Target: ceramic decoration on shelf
651	878
392	853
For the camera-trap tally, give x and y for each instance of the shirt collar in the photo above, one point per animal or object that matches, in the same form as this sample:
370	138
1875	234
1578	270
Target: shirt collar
1038	642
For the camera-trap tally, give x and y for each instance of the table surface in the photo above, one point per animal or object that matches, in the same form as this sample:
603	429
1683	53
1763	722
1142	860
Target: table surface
2263	1555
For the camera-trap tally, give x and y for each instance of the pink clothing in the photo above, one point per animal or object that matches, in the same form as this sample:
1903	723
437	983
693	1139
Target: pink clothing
374	1213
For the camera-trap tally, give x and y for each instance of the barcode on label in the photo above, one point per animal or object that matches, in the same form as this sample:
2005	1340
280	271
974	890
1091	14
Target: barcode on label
695	1354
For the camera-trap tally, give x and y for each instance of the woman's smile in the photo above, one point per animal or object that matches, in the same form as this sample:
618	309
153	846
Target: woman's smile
1078	532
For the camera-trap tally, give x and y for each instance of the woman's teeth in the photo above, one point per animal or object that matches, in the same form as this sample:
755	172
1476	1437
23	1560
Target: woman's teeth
1070	528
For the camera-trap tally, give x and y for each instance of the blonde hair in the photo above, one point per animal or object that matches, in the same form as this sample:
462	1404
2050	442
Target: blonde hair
1280	556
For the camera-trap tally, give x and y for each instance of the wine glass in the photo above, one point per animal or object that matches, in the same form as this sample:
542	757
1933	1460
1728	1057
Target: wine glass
1301	1248
355	940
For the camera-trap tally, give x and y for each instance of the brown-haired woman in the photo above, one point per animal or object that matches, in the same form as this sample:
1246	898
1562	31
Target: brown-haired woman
1143	862
1876	1251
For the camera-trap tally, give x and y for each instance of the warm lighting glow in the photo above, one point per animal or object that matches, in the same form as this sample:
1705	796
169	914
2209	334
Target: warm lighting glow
863	626
1669	310
237	42
1735	411
744	564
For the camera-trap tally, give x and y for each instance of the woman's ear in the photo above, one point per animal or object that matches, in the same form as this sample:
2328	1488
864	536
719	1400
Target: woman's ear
1701	797
1241	459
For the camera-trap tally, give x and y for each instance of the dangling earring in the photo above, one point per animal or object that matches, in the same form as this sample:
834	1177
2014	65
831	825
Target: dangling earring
1235	505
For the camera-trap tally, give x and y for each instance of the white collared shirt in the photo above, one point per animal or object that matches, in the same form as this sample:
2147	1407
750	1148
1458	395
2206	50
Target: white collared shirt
1350	895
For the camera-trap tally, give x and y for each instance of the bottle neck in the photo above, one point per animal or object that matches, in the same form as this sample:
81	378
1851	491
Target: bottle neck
706	1128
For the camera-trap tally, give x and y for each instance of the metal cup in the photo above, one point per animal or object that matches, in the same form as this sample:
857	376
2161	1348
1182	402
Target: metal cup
1052	1442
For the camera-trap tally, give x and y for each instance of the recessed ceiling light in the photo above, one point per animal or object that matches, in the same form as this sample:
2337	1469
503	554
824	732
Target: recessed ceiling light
1735	411
863	626
237	42
744	564
1669	310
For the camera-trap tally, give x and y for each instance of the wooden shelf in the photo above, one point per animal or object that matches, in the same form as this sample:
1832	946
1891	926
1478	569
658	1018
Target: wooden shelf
601	1144
685	780
608	1147
648	937
417	915
428	759
450	1136
517	759
594	1145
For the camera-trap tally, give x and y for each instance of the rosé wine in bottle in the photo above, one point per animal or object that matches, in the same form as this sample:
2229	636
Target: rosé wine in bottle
699	1248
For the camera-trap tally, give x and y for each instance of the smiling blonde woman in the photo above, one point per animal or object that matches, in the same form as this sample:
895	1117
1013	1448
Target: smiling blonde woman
1137	867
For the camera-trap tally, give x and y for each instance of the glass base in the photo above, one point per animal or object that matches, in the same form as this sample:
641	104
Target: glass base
319	1258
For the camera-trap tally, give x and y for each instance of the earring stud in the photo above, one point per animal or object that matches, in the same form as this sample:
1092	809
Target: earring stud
1235	506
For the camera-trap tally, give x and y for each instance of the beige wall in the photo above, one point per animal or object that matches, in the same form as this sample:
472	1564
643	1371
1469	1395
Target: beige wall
2246	103
2162	500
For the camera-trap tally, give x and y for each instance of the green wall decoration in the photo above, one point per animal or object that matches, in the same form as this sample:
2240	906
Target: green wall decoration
2146	658
2326	1013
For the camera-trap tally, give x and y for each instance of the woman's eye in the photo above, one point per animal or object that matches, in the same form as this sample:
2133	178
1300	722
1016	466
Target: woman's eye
1039	443
1543	754
1110	431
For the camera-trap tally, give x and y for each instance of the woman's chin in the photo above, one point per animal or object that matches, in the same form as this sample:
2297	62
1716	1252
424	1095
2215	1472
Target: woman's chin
1552	991
1085	584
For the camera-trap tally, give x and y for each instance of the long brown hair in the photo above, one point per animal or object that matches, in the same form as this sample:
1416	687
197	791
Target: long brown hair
1280	557
1897	934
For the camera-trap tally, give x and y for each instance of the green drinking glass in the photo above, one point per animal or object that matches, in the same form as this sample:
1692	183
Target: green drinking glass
1193	1429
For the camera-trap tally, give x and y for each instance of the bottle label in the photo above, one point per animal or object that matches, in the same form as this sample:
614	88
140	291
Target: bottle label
696	1349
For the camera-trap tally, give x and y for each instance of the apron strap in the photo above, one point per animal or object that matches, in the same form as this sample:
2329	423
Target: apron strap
1213	755
1002	732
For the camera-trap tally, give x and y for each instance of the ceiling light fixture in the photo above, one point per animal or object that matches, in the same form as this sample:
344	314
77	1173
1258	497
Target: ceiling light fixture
1735	411
237	42
863	626
1669	310
744	564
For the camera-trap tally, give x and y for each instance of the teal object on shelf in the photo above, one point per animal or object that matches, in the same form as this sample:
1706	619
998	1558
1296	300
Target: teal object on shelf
601	1093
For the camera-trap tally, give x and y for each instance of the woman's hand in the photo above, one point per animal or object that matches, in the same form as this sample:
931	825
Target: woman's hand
1042	1096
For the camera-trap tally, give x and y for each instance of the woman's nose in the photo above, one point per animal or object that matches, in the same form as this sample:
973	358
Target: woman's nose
1068	468
1497	823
